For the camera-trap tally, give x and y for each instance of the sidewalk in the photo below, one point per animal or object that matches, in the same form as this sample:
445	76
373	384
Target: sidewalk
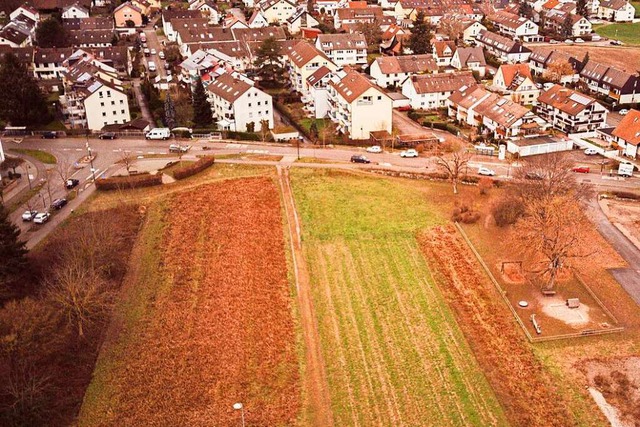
23	181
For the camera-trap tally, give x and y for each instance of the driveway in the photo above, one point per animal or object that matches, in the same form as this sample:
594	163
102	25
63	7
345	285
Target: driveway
406	126
629	278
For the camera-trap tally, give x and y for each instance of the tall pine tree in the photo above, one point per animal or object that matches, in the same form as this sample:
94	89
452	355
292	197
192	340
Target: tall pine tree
567	26
202	116
267	61
12	250
23	103
420	40
581	8
169	112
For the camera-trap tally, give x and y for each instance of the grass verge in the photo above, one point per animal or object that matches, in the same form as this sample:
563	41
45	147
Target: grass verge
40	155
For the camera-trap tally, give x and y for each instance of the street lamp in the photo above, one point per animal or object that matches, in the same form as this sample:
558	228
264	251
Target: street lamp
299	141
93	171
239	407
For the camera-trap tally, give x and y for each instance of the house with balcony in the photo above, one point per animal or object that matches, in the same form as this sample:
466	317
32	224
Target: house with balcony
304	60
515	26
169	15
554	22
621	86
393	70
470	58
236	102
570	111
346	17
615	10
443	52
318	89
357	106
48	63
515	82
277	11
343	49
627	134
431	91
543	61
504	48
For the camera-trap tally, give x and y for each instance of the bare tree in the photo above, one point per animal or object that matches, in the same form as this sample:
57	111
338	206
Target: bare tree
127	159
454	160
264	129
63	169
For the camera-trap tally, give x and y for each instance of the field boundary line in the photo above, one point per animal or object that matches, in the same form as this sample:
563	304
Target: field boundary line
532	339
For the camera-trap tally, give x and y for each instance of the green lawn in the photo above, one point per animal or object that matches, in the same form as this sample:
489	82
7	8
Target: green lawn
43	156
306	123
637	6
627	33
393	352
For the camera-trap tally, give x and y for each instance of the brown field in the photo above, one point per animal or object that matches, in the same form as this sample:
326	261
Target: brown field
215	326
625	58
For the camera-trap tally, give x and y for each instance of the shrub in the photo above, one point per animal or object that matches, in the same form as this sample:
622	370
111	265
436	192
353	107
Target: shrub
507	211
465	214
192	169
626	195
128	182
243	136
485	184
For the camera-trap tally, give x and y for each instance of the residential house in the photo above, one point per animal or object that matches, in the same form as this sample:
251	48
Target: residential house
555	19
25	10
208	9
515	26
570	111
88	24
236	102
470	58
235	54
178	14
201	63
258	20
277	11
627	134
74	11
544	62
91	38
234	18
353	16
515	81
394	40
357	106
431	91
127	13
304	60
393	70
615	10
48	64
621	86
93	96
443	52
344	49
301	19
21	28
470	30
327	7
317	102
504	48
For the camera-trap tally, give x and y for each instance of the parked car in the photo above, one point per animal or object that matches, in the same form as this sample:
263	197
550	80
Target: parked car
623	112
158	133
534	176
42	217
579	40
409	153
486	171
153	52
404	108
175	148
581	169
374	149
71	183
29	215
49	135
568	41
161	54
359	158
58	203
590	151
146	51
108	135
553	41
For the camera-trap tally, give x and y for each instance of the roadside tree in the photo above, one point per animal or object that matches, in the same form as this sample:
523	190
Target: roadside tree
202	115
23	103
453	159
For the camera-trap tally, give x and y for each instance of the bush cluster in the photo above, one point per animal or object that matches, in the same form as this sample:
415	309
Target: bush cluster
128	182
507	211
192	169
465	214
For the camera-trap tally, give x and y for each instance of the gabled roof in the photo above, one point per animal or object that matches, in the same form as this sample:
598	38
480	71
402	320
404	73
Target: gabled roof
440	46
366	14
406	64
468	55
51	55
228	87
467	96
509	20
128	5
170	14
511	73
268	4
304	52
444	82
77	6
91	23
500	43
342	41
501	110
629	128
318	75
614	4
566	100
353	85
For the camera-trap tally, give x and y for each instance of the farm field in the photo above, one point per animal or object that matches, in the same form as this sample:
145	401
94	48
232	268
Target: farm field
205	319
394	354
621	57
626	32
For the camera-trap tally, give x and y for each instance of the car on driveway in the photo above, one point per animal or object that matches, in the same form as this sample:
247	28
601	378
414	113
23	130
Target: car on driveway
623	112
359	158
486	171
42	217
409	153
29	215
59	203
108	135
534	176
590	151
71	183
581	169
49	135
374	149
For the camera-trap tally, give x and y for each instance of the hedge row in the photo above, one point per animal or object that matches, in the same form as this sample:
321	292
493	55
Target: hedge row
192	169
128	182
626	195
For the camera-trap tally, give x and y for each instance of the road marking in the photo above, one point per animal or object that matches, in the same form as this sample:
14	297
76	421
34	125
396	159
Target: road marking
78	149
258	151
236	146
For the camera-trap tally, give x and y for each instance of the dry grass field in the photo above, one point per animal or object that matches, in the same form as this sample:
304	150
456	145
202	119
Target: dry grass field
625	58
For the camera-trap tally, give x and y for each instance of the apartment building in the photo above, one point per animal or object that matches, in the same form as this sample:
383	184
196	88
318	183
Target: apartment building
621	86
515	27
393	70
304	60
343	49
277	11
431	91
570	111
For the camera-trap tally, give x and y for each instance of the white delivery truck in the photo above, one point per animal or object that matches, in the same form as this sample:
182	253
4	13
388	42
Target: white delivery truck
158	133
625	169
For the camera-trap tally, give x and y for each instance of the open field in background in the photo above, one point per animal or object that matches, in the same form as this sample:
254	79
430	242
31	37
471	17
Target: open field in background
625	58
205	319
626	32
393	350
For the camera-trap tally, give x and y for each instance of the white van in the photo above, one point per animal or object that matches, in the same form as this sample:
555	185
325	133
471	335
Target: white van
158	133
152	66
625	169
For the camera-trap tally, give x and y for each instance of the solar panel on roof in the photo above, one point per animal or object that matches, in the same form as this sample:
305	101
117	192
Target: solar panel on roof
579	99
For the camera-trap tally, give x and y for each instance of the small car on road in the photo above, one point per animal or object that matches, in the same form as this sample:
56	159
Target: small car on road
42	217
71	183
49	135
153	52
590	151
175	148
359	158
59	203
108	135
29	215
161	54
486	171
581	169
409	153
374	149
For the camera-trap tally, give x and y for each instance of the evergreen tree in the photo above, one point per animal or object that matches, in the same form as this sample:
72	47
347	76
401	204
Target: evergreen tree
267	61
313	130
51	33
23	103
202	117
12	250
169	112
581	8
524	9
567	26
420	40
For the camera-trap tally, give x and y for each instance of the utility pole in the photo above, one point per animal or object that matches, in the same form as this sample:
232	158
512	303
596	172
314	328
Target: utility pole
93	171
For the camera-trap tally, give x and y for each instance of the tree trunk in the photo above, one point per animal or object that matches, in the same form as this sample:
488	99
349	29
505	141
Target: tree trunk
454	182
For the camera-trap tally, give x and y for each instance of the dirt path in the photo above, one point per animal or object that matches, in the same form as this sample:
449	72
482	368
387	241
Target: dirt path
316	377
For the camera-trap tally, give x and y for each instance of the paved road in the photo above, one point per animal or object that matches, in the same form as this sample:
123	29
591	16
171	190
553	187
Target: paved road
629	277
154	43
